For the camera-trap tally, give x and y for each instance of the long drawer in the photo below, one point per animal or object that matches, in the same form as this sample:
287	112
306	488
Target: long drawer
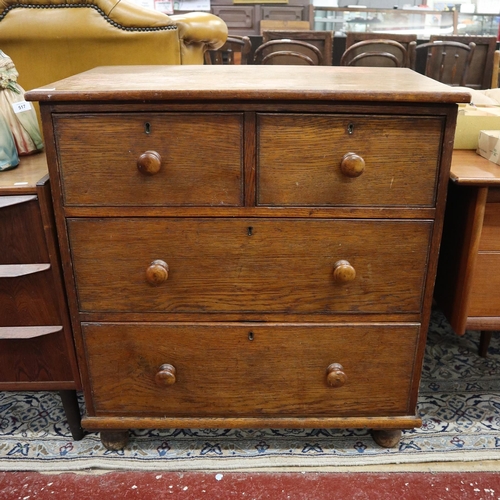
228	370
148	159
250	265
351	160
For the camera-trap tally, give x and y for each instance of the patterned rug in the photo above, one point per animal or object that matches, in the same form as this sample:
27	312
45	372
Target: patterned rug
459	403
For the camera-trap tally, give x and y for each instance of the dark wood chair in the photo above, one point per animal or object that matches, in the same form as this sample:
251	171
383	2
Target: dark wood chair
323	40
481	66
234	51
406	40
377	52
288	52
446	62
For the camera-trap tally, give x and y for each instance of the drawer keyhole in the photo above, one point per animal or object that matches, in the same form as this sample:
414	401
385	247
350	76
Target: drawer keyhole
250	231
250	336
350	128
147	128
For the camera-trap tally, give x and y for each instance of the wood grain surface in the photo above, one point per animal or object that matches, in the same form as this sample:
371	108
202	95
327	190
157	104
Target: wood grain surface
318	83
201	159
249	265
220	372
300	156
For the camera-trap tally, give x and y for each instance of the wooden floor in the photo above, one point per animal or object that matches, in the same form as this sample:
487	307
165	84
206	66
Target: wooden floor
245	485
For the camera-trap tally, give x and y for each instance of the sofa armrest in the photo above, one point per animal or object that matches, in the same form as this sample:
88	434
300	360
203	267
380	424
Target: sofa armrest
198	32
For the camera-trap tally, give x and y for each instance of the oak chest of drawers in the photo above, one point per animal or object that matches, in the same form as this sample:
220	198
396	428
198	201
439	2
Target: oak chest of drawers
249	246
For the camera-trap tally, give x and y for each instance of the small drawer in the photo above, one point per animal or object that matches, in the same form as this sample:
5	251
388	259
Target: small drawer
250	370
236	17
490	234
249	265
171	159
346	160
21	231
281	13
485	298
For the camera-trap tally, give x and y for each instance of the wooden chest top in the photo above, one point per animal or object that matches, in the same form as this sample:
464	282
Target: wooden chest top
320	83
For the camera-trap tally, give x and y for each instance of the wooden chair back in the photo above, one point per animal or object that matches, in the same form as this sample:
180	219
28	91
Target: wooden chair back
481	66
353	37
496	70
235	51
323	40
377	52
288	52
406	40
446	62
283	24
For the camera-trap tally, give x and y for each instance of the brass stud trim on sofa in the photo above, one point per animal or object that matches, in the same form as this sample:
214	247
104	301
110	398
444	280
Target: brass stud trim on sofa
100	11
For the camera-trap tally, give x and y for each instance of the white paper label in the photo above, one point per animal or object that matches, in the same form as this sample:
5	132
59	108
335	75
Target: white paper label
192	5
165	6
21	106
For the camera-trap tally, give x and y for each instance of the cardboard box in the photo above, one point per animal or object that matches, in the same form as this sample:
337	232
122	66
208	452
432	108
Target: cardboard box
471	120
489	145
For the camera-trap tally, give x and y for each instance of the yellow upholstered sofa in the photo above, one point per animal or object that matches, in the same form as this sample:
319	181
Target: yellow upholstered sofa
52	39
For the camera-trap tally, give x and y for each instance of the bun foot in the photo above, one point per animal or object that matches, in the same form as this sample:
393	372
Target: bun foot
387	438
114	440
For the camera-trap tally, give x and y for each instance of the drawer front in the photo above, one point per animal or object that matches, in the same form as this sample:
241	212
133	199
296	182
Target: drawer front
490	234
484	293
236	17
199	157
301	160
220	372
278	12
249	265
21	232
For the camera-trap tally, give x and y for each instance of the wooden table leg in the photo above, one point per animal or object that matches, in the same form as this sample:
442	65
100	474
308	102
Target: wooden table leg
72	410
484	342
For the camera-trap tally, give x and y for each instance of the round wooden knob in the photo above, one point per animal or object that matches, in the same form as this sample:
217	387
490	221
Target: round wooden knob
335	376
343	271
157	272
149	163
352	165
165	375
